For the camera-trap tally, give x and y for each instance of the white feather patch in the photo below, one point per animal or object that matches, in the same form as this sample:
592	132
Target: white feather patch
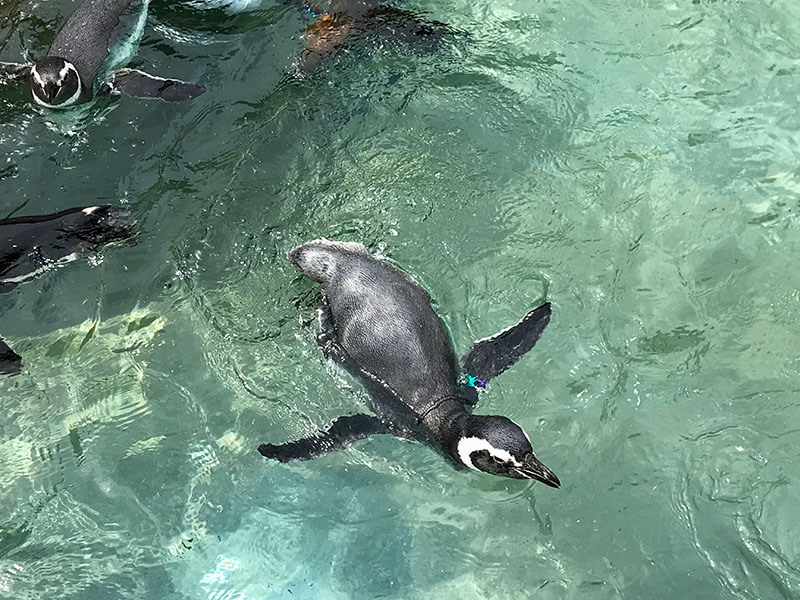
466	446
36	76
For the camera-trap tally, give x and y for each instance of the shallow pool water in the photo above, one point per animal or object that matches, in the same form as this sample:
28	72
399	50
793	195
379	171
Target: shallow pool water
634	163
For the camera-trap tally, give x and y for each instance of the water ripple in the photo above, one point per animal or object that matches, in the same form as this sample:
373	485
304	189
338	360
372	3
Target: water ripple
730	491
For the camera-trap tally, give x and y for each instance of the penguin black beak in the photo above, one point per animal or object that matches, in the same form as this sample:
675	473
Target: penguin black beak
532	468
51	91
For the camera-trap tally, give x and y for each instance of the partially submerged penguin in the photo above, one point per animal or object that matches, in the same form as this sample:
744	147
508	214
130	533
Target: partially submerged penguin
347	20
31	245
86	57
379	323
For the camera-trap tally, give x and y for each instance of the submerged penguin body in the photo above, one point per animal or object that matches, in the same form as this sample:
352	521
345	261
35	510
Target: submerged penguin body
29	246
347	20
379	323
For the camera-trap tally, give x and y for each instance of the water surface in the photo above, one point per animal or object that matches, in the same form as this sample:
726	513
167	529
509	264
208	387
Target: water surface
634	163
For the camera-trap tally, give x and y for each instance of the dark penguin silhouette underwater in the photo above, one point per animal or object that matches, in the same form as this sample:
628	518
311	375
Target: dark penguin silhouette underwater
86	57
378	322
30	246
345	21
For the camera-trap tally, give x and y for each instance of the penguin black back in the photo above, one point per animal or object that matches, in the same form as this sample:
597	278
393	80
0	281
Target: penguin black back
29	245
383	320
91	31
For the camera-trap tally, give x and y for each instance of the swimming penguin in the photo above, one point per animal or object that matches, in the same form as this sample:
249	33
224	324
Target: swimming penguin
86	55
347	20
378	322
31	245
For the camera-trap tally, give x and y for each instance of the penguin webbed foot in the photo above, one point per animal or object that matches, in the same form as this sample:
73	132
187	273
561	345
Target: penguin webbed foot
342	432
141	85
10	361
322	41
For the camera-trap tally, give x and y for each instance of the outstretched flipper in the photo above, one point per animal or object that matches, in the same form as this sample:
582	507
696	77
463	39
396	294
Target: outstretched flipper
141	85
10	361
342	431
491	356
13	71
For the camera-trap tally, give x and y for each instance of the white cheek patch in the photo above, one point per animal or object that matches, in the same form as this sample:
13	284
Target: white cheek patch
466	446
36	76
89	210
62	74
67	259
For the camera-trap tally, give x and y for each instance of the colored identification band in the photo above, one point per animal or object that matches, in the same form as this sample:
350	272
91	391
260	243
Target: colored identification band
474	382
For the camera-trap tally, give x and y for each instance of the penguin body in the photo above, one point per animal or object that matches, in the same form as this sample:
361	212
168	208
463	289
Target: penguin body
378	322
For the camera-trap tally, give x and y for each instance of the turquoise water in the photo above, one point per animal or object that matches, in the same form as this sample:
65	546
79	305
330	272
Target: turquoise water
634	163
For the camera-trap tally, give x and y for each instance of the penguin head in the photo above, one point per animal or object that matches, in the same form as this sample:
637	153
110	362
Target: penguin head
497	445
317	260
55	82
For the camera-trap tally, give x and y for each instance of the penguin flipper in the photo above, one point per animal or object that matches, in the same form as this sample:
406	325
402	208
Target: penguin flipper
327	338
13	71
10	361
342	431
141	85
491	356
